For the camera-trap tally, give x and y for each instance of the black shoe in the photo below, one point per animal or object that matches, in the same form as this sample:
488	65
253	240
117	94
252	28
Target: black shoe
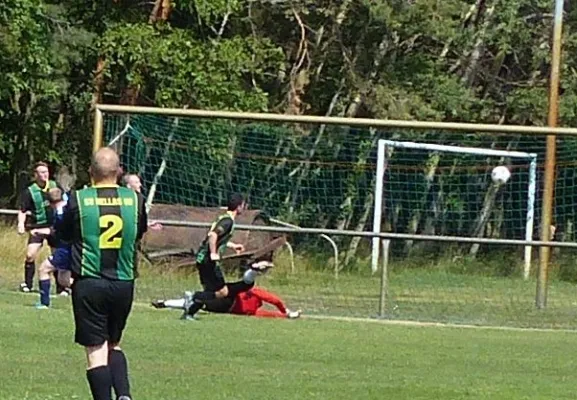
24	288
158	304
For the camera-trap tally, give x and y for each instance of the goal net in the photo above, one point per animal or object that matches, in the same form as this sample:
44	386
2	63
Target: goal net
326	176
448	190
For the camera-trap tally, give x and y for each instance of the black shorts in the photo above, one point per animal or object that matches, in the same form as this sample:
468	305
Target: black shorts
39	239
211	276
101	308
221	306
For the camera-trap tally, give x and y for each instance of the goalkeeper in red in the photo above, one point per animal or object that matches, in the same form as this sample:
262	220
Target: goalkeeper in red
251	301
245	303
208	261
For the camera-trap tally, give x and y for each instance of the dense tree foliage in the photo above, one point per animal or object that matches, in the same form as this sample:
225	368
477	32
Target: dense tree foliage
451	60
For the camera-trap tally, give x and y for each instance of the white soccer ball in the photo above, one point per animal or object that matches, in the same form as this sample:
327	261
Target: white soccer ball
500	175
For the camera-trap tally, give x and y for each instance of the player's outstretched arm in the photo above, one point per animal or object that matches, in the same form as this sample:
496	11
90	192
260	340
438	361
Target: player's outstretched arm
271	298
239	248
268	297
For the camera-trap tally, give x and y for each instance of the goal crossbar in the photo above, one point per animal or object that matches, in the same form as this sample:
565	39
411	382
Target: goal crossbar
379	189
458	149
310	119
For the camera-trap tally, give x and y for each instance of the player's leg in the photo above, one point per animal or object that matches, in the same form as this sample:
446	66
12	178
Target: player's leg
120	304
212	280
248	278
98	372
61	259
177	304
219	306
62	290
65	278
32	249
255	269
44	271
90	307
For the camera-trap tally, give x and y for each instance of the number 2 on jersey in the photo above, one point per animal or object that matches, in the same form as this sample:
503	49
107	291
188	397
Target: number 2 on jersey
113	226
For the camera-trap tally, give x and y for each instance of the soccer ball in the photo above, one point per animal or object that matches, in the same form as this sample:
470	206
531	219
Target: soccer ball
500	175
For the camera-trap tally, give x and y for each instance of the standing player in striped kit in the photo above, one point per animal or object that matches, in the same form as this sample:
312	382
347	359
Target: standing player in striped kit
103	224
36	213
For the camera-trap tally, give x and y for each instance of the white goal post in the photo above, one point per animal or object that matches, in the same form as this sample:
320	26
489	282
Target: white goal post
382	166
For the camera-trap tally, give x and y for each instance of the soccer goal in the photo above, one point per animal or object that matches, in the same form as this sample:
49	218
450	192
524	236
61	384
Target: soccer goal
433	189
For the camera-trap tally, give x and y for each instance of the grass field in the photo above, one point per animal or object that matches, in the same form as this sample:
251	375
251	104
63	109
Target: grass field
225	357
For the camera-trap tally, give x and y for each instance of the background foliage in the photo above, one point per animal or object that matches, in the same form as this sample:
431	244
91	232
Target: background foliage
453	60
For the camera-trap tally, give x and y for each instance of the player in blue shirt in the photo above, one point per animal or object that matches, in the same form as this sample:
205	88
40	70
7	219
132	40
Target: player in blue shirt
60	258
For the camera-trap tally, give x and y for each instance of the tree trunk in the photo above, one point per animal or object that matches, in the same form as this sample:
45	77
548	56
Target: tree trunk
160	11
304	166
420	208
354	244
98	81
483	218
163	164
470	72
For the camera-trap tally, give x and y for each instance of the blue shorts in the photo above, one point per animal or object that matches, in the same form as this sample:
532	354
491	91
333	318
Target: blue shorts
60	259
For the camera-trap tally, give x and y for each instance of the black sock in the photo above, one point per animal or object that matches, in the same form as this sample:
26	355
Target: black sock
119	371
29	270
100	381
194	308
199	299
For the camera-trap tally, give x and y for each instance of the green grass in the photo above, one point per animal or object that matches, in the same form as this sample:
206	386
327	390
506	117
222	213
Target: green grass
446	291
226	357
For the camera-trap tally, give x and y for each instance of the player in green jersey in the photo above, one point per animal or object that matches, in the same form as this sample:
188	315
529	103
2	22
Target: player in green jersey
35	213
208	261
104	224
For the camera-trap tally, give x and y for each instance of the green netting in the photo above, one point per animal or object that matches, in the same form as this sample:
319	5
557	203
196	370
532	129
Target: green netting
324	176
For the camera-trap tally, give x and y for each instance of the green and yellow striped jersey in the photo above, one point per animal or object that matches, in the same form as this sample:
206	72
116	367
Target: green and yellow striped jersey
104	225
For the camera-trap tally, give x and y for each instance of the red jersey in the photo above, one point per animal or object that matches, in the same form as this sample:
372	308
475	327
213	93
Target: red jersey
248	303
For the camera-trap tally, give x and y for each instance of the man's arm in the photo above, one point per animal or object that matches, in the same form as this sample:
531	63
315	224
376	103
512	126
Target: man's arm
143	217
65	225
41	231
222	228
24	208
270	298
239	248
21	222
212	239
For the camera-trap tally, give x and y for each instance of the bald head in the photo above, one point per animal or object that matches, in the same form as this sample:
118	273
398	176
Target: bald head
105	166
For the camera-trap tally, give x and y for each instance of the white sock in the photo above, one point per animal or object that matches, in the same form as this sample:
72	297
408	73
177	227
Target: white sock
249	276
177	303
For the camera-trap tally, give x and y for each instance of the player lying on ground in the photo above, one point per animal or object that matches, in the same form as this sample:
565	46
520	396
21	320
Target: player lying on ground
60	258
192	305
244	303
